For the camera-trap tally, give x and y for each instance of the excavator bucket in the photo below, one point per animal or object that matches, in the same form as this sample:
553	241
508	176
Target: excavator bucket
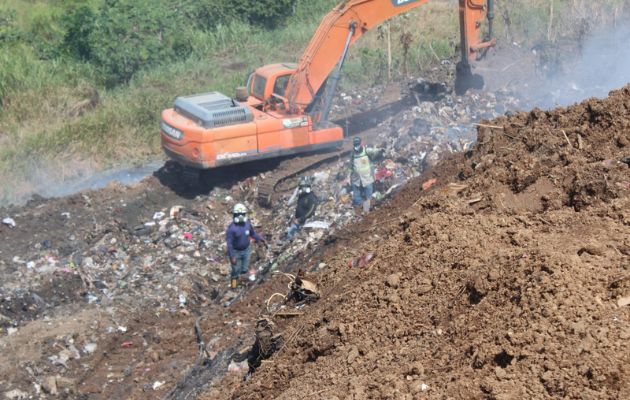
465	79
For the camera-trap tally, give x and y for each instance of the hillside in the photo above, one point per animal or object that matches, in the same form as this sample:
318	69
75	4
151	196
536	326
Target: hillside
507	279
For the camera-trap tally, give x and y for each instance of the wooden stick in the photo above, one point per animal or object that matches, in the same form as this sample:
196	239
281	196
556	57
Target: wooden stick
580	142
489	126
567	138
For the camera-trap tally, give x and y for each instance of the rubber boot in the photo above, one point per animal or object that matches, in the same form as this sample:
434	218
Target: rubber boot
366	206
234	283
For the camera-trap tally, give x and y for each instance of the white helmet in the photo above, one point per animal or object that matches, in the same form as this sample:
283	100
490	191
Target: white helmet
239	208
239	213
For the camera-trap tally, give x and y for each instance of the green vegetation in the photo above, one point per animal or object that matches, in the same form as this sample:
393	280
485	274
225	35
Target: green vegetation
87	79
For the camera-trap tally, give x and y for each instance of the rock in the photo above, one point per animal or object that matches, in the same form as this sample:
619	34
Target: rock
49	385
65	383
425	286
393	280
500	372
154	355
353	354
417	368
623	301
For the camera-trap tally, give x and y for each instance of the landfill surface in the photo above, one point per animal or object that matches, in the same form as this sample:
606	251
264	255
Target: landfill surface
506	276
494	265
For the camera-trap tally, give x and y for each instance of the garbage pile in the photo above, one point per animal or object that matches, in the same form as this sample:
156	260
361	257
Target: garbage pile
173	260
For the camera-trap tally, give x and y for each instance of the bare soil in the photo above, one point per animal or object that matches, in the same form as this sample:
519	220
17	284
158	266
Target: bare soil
502	281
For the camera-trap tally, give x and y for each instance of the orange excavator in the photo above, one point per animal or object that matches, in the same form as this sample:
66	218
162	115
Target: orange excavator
284	109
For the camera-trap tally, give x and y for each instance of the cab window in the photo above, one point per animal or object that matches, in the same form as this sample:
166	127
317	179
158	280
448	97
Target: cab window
258	87
281	85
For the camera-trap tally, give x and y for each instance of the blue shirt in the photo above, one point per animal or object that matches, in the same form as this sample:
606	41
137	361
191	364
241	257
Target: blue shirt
238	235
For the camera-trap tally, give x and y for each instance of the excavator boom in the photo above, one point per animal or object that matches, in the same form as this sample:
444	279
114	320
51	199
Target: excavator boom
327	47
284	110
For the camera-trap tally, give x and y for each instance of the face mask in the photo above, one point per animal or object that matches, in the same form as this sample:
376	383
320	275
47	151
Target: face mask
240	218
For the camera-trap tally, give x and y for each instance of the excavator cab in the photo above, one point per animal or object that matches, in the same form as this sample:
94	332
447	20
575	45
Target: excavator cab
267	86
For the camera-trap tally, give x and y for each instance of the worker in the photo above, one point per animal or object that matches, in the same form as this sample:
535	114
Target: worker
362	174
238	237
306	204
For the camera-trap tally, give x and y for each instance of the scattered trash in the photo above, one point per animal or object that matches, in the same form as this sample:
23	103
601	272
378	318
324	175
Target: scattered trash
9	222
317	225
157	384
427	185
182	300
175	211
267	342
321	177
362	261
16	394
89	348
239	368
159	215
127	344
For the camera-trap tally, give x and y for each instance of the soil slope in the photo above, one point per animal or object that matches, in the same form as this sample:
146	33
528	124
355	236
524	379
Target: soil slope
504	280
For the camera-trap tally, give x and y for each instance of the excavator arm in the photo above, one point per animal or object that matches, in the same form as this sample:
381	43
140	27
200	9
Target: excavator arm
347	23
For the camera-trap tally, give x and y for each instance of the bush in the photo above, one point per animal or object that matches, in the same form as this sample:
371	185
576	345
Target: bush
129	35
79	24
269	14
9	33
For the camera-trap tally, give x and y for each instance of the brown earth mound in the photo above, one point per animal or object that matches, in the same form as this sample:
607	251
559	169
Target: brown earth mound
505	280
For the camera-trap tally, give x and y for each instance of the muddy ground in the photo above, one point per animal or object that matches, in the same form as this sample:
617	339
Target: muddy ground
505	278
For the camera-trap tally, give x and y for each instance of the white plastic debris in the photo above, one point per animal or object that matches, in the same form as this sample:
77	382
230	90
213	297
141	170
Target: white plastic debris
65	214
175	211
182	300
159	215
89	348
11	331
424	387
15	394
158	384
238	368
317	225
321	177
9	222
122	329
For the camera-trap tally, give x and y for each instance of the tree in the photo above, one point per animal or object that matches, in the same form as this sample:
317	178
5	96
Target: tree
129	35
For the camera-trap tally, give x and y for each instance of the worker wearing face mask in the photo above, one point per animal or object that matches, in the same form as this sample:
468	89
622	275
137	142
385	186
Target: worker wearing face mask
362	174
306	204
238	237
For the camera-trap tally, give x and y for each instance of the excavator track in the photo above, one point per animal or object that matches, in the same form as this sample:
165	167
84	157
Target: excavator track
267	189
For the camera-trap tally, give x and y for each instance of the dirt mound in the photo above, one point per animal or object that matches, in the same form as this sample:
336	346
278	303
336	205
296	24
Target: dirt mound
504	280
